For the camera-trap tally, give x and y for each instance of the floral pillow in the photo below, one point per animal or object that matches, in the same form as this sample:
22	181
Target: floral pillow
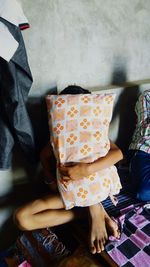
79	126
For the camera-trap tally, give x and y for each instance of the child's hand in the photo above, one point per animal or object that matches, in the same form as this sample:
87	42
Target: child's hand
74	172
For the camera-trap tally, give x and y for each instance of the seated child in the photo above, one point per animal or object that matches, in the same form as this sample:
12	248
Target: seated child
51	210
139	149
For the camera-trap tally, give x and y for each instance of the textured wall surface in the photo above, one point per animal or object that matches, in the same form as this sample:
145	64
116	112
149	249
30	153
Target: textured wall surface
87	42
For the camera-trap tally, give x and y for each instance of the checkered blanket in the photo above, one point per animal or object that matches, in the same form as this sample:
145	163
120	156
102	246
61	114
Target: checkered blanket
133	248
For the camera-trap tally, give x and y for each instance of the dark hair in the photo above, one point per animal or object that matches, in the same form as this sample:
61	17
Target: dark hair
74	90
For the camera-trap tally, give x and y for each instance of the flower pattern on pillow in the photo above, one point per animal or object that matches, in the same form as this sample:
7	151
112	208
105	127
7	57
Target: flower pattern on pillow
79	126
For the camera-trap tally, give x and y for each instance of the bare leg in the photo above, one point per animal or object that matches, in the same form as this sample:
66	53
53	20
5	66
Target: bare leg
101	226
98	234
111	226
48	211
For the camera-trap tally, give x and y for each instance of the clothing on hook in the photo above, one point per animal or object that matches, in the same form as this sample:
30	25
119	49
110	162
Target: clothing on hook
15	83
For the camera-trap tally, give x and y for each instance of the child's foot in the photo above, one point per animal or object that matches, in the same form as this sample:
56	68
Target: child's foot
111	226
98	234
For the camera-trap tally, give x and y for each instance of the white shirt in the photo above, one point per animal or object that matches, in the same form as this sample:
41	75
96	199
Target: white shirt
8	44
11	11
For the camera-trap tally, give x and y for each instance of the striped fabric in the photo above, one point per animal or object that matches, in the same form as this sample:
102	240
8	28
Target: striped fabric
124	200
141	137
125	197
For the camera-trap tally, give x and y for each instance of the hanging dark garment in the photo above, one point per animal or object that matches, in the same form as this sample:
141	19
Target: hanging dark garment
15	83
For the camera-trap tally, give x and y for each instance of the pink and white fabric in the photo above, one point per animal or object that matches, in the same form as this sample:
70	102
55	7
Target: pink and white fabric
79	126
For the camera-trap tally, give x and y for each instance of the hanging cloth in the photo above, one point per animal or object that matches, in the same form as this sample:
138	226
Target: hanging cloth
15	83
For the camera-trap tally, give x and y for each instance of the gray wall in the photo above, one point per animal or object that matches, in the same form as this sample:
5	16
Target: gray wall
87	42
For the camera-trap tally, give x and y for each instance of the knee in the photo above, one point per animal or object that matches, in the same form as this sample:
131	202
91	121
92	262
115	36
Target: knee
21	220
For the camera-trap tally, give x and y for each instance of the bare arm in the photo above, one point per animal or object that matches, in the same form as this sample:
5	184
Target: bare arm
113	156
78	171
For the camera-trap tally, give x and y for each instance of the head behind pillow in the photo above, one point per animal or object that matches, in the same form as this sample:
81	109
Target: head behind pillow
74	90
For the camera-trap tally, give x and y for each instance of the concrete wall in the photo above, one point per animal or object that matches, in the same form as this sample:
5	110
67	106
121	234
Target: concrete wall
87	42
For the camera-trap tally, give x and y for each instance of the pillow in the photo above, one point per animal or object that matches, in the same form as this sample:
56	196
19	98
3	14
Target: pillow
79	126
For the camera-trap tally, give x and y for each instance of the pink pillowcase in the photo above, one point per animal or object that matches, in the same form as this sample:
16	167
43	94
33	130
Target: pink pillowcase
79	126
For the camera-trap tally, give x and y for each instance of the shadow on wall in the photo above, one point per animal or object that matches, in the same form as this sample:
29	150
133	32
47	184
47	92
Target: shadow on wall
124	108
38	114
37	110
